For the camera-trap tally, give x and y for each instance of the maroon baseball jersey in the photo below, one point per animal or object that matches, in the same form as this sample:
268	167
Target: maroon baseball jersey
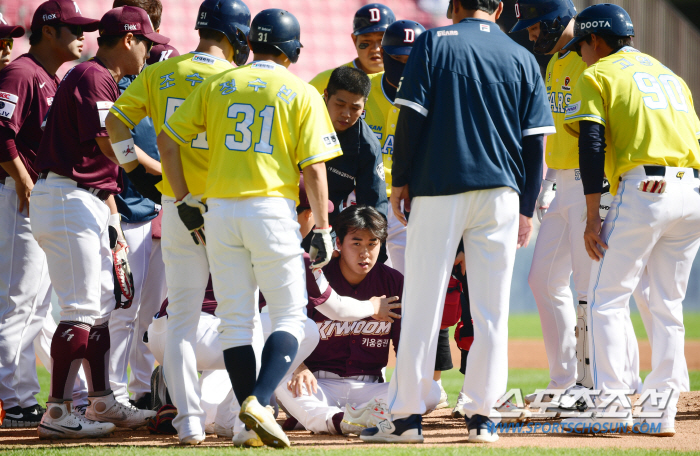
76	118
361	347
161	52
316	296
26	93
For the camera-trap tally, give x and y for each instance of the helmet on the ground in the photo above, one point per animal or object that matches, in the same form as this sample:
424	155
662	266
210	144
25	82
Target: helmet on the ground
552	15
230	17
400	36
604	18
278	28
374	17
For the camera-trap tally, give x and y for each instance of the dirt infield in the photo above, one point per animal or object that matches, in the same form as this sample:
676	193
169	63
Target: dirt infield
439	429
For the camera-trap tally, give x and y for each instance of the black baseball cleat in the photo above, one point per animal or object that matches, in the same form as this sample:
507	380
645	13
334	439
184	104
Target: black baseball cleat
405	430
14	418
481	429
32	415
143	403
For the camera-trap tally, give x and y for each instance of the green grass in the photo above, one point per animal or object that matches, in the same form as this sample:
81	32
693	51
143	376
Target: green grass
381	451
527	326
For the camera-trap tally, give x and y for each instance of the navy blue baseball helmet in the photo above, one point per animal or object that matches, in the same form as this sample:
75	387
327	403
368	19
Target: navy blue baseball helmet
230	17
604	18
278	28
374	17
400	36
552	15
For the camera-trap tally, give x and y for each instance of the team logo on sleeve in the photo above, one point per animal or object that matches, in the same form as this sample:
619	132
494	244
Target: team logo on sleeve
330	140
102	110
573	108
8	103
484	28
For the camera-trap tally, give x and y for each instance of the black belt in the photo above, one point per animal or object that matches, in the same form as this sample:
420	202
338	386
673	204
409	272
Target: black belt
3	180
99	193
657	170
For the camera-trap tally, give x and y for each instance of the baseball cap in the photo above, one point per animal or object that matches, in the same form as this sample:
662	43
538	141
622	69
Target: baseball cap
130	19
9	31
57	12
304	200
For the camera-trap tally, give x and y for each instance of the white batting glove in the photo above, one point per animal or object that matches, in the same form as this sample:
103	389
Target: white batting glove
321	247
545	198
606	200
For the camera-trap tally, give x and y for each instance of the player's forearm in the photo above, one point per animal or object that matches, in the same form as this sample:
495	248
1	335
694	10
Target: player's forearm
593	206
106	147
316	185
532	160
591	145
16	169
345	308
152	165
172	165
409	129
112	205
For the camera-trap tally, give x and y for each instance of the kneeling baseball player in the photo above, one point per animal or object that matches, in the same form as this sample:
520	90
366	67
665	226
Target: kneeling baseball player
345	368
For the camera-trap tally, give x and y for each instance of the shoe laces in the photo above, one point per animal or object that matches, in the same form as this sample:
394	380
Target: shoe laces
80	409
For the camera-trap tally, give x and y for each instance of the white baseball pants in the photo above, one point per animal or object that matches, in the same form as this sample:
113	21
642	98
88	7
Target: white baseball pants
559	252
487	221
210	361
187	275
659	232
396	242
70	225
25	290
255	242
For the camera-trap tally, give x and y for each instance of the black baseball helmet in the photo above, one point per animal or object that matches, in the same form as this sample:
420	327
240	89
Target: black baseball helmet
400	36
278	28
374	17
552	15
230	17
603	18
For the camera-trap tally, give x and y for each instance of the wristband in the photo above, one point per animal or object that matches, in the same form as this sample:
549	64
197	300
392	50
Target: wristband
115	220
551	175
125	151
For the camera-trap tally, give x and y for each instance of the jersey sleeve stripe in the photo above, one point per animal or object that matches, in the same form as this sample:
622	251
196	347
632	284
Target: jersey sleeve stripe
550	130
415	106
588	116
178	137
317	156
118	111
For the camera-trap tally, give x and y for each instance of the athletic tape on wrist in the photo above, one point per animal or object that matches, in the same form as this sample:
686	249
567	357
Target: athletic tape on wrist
125	151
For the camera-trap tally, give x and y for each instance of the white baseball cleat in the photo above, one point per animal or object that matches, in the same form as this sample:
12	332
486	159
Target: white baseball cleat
444	400
357	419
247	439
462	399
262	421
481	429
108	409
59	423
404	430
510	413
195	439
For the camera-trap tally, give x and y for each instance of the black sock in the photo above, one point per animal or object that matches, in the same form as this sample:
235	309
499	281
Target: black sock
277	356
240	364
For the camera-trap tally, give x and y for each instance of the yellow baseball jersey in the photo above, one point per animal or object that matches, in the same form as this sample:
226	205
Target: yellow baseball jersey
562	73
646	109
320	81
157	93
377	110
263	123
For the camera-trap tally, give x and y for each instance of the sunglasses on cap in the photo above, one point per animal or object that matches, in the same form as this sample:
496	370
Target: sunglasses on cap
6	43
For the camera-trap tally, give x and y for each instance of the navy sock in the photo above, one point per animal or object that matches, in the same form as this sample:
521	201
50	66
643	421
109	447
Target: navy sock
277	356
240	364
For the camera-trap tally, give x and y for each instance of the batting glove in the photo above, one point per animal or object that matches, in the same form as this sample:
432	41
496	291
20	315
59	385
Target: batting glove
321	247
545	198
190	211
123	278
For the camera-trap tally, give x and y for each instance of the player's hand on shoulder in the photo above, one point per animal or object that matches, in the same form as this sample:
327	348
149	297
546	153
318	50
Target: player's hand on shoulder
321	247
545	198
303	381
524	231
383	308
190	211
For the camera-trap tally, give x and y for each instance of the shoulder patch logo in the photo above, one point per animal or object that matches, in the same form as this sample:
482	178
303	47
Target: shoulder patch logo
330	140
264	66
484	27
573	108
204	59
